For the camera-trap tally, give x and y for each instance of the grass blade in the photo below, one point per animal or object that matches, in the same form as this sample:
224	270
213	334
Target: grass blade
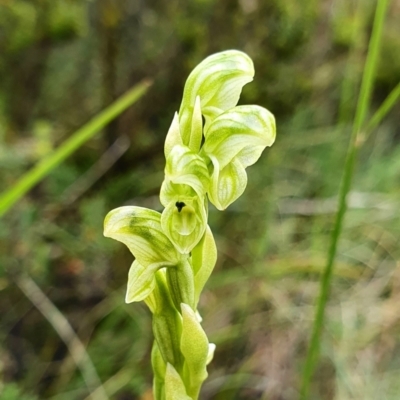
66	333
361	112
76	140
385	107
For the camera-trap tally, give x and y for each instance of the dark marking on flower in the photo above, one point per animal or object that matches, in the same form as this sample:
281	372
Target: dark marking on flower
180	205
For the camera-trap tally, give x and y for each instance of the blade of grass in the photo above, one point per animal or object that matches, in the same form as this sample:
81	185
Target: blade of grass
351	78
385	107
66	333
361	112
76	140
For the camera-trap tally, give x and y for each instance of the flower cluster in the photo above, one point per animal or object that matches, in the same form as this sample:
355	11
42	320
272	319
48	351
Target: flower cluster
209	145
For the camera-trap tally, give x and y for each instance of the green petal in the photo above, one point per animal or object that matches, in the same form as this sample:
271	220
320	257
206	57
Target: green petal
141	281
174	387
218	81
173	136
242	132
184	221
227	184
140	229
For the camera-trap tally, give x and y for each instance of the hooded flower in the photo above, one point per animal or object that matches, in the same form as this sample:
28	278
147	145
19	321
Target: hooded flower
184	219
217	83
233	141
140	230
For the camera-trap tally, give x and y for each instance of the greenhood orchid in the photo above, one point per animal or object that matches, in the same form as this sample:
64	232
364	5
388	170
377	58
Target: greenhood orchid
209	145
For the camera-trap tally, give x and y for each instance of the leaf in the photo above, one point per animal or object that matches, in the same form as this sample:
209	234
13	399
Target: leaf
141	281
174	387
194	347
159	369
167	322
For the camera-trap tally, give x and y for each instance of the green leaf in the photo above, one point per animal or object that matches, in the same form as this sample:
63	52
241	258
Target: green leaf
218	81
140	230
196	132
74	142
181	283
194	347
167	322
174	387
159	369
204	257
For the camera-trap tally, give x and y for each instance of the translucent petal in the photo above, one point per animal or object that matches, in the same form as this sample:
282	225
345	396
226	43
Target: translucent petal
218	81
140	229
227	184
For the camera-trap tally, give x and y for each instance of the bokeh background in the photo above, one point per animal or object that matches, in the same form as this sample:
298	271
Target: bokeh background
62	62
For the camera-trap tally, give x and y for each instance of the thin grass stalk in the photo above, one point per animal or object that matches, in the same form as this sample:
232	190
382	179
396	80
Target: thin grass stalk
382	111
74	142
361	112
67	335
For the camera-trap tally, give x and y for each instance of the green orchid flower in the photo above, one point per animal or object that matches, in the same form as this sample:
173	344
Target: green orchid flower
140	230
209	145
184	218
233	141
217	81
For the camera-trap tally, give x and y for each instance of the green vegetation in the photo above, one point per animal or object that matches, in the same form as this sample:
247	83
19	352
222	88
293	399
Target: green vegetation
62	284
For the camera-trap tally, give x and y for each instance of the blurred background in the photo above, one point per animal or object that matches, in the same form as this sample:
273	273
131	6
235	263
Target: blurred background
62	62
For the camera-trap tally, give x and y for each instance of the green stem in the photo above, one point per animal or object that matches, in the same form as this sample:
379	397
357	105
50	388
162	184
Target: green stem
361	111
76	140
